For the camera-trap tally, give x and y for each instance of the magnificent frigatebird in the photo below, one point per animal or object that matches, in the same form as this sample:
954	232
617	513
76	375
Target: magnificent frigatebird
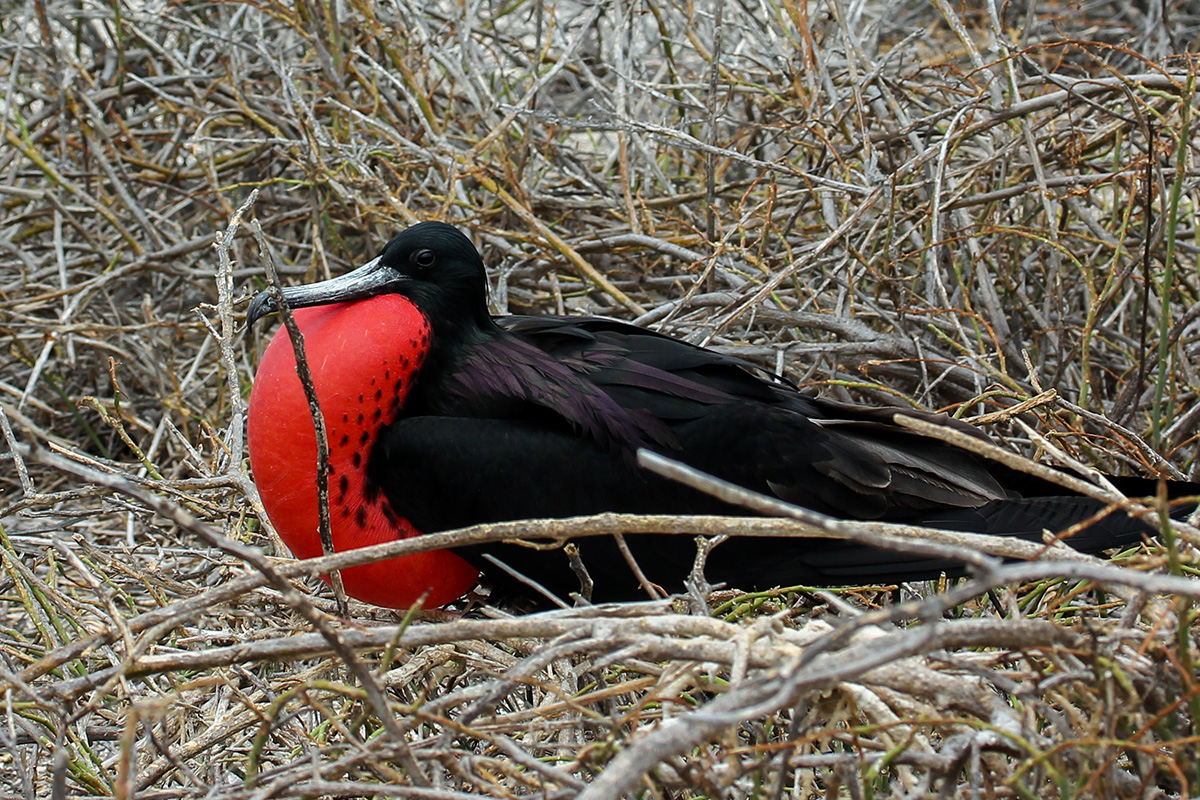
441	416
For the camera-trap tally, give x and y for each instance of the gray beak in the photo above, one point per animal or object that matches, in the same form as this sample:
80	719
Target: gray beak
368	280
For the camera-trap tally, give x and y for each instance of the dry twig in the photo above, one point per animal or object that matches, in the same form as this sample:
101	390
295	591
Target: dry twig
887	203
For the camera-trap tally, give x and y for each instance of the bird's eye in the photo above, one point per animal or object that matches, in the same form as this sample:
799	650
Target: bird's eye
423	258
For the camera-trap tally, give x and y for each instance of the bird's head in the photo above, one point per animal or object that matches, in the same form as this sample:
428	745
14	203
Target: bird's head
431	263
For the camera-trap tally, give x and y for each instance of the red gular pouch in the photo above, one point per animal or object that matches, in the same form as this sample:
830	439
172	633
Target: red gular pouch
363	356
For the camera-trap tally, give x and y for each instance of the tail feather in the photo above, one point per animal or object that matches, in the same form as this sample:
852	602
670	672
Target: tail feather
1026	518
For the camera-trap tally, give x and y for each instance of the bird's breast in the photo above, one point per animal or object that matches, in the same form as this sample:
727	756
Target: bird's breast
363	357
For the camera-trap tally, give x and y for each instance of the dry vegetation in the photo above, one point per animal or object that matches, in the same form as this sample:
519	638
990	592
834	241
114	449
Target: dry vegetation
960	207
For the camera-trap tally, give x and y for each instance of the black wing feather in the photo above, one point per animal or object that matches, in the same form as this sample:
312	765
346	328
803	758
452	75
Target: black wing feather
738	422
541	419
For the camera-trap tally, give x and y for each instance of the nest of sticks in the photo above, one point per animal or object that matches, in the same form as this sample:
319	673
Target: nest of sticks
985	210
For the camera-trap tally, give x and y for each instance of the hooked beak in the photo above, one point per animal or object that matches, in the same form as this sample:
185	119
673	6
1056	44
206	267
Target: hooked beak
369	280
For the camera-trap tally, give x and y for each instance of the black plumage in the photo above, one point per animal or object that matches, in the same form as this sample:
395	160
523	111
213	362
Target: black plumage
529	417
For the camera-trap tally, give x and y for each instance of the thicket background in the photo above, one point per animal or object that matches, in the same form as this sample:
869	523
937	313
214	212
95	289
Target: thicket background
960	206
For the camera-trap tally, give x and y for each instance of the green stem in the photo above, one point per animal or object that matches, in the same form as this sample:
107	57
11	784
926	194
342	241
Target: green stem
1171	220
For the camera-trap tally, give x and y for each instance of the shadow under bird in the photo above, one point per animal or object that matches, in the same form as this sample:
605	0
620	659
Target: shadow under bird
440	416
